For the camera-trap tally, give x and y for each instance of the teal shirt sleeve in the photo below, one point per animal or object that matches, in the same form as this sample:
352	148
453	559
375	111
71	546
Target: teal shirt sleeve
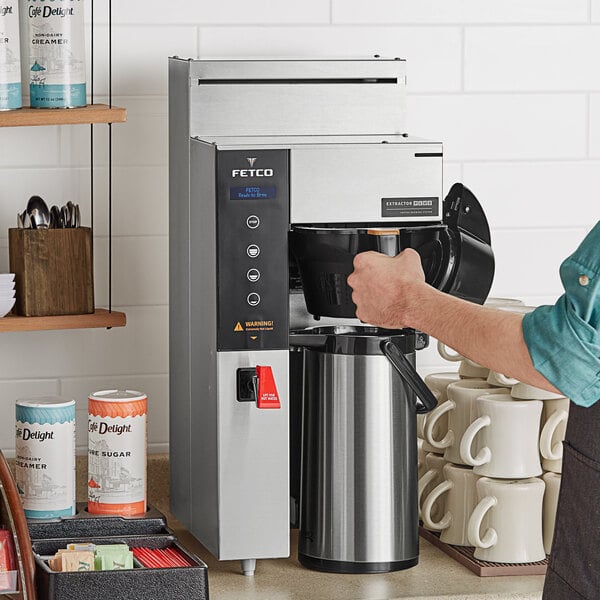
564	340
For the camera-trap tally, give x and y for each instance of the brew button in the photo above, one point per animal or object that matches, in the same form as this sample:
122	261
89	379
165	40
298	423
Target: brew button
252	250
253	275
252	221
253	299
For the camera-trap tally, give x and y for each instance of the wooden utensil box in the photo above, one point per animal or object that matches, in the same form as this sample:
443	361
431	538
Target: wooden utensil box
54	271
139	583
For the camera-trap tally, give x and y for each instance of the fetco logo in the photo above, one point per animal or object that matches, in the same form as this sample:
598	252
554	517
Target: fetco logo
252	172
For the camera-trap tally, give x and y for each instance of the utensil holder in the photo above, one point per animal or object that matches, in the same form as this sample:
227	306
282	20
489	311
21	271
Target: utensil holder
54	271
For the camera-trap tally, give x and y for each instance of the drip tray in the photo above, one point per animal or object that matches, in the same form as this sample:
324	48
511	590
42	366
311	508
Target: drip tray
465	556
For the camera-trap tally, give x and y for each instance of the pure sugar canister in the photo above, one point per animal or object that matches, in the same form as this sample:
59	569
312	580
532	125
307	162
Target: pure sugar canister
117	452
45	456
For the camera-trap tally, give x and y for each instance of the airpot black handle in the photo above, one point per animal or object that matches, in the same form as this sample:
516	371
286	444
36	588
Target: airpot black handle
426	401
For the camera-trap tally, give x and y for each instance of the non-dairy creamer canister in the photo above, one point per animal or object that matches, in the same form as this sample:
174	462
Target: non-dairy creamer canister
117	452
45	456
10	52
54	48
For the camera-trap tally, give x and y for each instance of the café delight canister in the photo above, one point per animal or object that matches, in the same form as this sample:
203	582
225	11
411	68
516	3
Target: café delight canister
54	52
117	452
45	456
10	56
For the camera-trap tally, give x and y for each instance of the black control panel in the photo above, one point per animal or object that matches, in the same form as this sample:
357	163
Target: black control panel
252	253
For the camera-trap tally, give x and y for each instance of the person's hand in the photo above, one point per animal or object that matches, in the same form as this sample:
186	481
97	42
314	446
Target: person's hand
386	289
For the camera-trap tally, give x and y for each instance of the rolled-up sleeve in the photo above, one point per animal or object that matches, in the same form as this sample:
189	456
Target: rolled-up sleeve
563	340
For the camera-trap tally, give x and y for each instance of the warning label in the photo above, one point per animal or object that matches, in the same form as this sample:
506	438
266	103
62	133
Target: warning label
238	327
259	325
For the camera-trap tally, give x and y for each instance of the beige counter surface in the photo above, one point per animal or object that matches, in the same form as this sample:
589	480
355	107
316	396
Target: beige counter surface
436	577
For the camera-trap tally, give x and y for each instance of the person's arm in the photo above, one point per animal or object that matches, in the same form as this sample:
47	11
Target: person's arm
392	293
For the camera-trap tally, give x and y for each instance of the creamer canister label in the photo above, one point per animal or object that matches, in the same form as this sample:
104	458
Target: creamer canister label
10	64
56	52
45	462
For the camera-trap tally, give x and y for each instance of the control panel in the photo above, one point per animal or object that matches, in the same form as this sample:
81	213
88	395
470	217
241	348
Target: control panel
252	253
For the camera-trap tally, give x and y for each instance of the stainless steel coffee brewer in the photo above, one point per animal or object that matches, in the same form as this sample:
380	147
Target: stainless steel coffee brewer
280	172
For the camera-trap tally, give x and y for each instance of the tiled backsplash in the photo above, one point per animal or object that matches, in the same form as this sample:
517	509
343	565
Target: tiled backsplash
511	88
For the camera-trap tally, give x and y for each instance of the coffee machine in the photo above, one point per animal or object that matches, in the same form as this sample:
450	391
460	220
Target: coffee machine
269	156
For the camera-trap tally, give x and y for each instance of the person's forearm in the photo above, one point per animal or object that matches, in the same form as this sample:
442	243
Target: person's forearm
490	337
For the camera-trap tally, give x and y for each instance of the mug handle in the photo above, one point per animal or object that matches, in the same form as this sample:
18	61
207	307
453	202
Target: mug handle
425	480
432	418
435	493
443	350
547	450
484	455
504	380
490	538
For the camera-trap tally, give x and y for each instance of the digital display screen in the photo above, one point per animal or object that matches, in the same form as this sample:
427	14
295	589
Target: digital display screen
252	192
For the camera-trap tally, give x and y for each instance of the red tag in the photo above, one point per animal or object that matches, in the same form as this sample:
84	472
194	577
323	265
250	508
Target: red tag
267	390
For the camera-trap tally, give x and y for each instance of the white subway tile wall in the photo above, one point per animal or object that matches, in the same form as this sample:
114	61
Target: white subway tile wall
511	88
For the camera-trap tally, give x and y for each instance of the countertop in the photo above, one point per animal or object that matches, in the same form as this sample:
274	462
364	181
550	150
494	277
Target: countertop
436	577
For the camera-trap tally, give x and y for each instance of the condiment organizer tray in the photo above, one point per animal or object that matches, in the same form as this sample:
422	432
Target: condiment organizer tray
139	583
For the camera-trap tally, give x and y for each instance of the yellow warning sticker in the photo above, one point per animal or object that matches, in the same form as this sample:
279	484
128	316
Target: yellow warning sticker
260	325
238	327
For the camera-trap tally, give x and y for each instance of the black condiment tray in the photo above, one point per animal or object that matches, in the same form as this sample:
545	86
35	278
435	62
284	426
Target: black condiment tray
139	583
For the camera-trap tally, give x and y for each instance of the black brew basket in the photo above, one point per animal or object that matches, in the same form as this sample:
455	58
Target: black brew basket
325	258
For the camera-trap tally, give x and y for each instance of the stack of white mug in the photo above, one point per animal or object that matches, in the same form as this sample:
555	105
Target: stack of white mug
490	458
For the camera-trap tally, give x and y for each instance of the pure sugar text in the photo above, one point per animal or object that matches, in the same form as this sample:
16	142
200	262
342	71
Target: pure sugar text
109	454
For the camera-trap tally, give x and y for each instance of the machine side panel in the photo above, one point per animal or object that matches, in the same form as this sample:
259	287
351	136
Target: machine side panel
204	496
179	291
254	463
389	182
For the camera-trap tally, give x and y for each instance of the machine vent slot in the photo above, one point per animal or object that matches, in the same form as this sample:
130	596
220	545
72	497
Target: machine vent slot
428	154
353	80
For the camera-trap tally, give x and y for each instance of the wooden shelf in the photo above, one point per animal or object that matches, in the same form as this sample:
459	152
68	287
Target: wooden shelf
100	318
92	113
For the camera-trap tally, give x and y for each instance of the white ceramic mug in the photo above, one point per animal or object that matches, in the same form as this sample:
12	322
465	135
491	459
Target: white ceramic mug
524	391
421	420
511	513
517	308
438	384
552	481
497	302
467	368
555	415
505	435
459	499
421	453
500	380
434	475
460	409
